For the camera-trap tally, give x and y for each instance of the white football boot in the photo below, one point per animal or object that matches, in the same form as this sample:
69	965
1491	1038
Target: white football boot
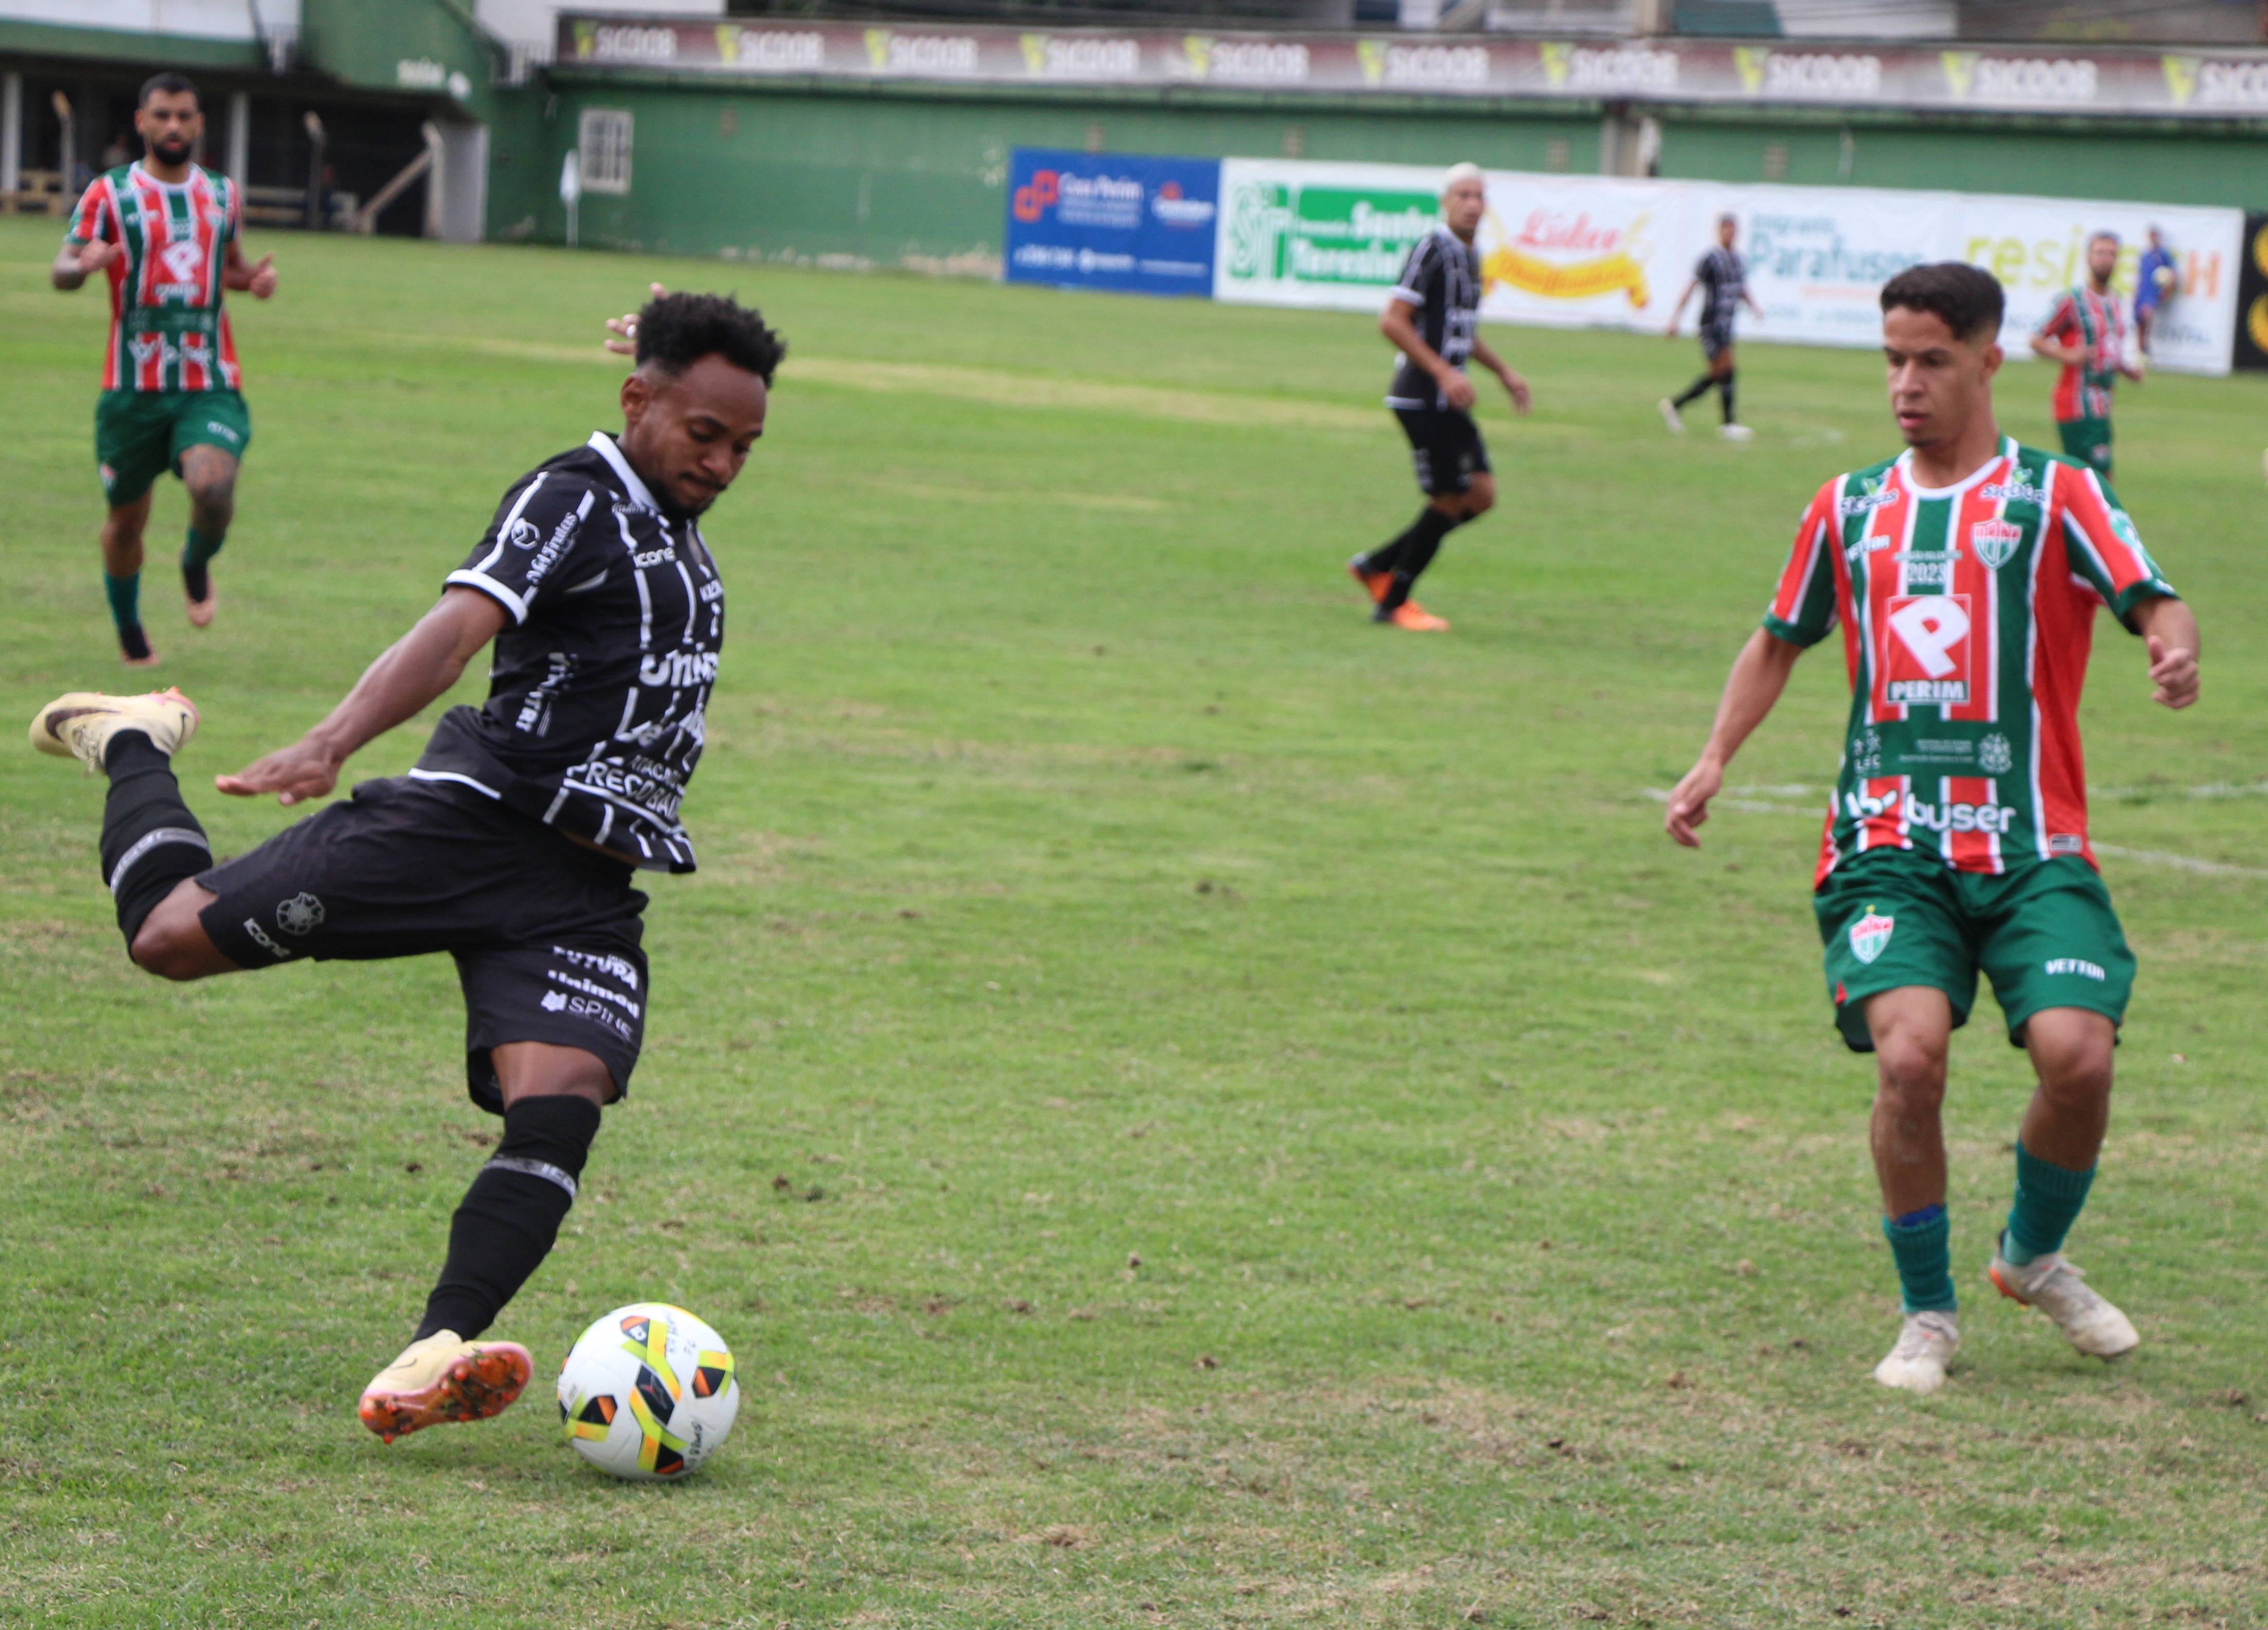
1926	1344
1670	417
79	725
443	1378
2059	1290
1737	433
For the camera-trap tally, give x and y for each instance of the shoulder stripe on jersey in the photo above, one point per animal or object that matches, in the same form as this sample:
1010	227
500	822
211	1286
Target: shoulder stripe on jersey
504	531
469	579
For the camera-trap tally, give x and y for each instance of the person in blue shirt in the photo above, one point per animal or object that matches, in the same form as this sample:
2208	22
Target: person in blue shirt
2156	279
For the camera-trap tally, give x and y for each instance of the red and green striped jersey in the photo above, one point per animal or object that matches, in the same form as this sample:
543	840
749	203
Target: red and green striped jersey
167	329
1967	615
2099	322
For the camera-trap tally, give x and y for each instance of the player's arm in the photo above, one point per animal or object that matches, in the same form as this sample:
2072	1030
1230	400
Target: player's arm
2169	633
1394	322
257	281
1677	310
413	672
2048	342
1758	676
1495	365
77	261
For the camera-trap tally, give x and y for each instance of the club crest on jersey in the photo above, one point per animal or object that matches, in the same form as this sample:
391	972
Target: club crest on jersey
1995	541
1994	755
1870	934
301	914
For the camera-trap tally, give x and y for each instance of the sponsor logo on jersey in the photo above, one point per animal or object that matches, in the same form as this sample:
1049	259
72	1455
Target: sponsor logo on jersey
182	258
301	914
2015	490
1871	496
1870	934
655	556
713	589
264	941
614	968
1920	813
2066	843
526	534
677	668
574	982
2073	964
1865	753
1994	755
584	1007
1995	541
1926	649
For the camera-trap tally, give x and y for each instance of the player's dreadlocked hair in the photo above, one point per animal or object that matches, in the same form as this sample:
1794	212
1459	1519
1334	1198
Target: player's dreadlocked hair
1968	298
674	331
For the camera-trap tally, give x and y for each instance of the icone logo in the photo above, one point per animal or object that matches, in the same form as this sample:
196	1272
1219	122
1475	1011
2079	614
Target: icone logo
1043	195
1928	661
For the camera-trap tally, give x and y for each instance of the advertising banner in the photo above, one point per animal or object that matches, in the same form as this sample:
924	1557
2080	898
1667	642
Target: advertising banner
2252	296
1598	251
1139	225
2061	78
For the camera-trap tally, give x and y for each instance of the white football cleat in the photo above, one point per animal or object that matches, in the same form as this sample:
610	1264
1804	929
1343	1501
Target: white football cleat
1926	1347
1670	417
443	1378
2059	1290
79	725
1737	433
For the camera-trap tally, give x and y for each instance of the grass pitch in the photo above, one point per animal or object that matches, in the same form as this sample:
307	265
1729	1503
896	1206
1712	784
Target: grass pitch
1192	1111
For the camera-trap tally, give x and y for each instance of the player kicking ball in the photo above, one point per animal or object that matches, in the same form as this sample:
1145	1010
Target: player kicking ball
1966	574
1433	317
165	231
514	842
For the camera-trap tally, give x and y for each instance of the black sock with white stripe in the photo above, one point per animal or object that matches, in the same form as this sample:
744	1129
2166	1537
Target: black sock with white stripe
150	840
505	1224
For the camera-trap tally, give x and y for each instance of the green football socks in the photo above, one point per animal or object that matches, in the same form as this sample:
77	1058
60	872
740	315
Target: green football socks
1921	1245
2048	1202
125	600
201	547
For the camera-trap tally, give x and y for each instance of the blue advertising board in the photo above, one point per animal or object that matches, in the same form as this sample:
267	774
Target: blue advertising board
1120	221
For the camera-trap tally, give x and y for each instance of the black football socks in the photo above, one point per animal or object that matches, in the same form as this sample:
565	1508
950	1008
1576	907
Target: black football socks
1727	387
1699	388
150	840
506	1223
1413	552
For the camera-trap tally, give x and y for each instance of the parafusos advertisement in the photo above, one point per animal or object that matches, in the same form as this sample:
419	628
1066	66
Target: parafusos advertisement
1140	225
1602	252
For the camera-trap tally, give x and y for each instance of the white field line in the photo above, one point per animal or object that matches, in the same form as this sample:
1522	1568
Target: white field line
1728	800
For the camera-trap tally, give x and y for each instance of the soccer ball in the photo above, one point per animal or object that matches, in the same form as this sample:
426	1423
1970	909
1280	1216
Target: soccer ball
648	1392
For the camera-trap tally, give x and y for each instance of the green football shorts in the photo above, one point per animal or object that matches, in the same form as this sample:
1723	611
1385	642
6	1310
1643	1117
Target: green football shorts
141	434
2043	934
2088	440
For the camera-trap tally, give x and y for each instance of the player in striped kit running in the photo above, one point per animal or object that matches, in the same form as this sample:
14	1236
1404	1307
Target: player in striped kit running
2086	331
166	231
1965	575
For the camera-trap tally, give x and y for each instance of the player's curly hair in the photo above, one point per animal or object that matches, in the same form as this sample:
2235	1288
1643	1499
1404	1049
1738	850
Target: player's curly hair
1968	298
674	331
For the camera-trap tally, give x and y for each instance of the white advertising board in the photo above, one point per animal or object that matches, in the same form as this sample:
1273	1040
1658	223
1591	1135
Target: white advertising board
1602	252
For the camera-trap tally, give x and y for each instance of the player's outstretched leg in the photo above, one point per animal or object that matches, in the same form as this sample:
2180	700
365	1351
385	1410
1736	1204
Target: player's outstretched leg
504	1228
2056	1152
151	842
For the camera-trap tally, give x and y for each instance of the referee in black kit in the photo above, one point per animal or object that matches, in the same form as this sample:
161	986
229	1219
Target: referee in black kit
1722	276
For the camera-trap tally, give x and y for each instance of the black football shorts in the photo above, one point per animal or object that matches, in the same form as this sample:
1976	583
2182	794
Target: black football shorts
1445	447
545	933
1716	339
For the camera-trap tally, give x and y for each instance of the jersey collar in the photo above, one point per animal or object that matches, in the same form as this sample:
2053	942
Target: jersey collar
603	445
2006	454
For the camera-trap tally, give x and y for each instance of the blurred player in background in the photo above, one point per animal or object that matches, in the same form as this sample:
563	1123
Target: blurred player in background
1433	318
1722	276
165	230
513	844
2086	331
2156	279
1966	574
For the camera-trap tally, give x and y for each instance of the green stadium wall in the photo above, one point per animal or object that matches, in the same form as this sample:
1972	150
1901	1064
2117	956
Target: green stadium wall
896	177
889	179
